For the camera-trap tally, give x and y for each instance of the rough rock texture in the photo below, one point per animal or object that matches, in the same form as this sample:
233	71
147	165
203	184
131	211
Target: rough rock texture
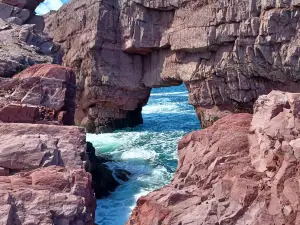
30	146
226	52
234	172
22	42
53	195
40	94
209	186
24	4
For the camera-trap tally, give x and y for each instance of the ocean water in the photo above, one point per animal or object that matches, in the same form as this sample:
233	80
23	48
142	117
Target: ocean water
148	151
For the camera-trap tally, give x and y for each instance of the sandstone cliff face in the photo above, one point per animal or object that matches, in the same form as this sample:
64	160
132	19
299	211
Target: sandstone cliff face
226	52
237	171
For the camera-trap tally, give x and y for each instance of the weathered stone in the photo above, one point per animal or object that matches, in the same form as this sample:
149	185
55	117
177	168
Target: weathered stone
214	181
38	95
52	195
27	4
17	113
234	172
30	146
49	71
14	20
226	52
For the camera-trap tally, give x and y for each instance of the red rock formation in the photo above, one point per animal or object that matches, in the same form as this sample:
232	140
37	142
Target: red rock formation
212	164
228	175
49	71
226	52
40	94
25	4
30	146
53	195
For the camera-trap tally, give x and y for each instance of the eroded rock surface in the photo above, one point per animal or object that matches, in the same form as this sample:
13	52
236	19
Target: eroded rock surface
237	171
30	146
42	93
104	181
226	52
22	41
52	195
214	170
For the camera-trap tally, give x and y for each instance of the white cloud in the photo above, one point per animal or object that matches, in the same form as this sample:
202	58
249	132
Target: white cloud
48	5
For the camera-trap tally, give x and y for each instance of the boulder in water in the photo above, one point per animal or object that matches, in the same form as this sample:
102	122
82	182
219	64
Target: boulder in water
103	181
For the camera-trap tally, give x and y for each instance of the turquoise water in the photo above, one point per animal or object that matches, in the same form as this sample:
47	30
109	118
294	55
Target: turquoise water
148	151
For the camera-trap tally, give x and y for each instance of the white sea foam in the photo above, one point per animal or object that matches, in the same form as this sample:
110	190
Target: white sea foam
116	209
180	93
164	107
148	152
137	154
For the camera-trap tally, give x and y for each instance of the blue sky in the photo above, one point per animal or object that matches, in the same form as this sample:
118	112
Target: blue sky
48	5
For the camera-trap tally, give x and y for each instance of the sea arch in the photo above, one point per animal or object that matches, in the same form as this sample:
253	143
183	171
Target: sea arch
219	49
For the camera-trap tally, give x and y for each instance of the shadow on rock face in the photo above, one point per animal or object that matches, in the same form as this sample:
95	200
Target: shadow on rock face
104	180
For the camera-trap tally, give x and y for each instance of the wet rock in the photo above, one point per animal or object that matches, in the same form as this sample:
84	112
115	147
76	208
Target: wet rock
122	175
104	181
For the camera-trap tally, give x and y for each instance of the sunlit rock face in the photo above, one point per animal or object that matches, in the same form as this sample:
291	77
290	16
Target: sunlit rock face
241	170
226	52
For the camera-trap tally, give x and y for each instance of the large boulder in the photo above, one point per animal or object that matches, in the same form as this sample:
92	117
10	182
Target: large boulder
226	52
40	94
52	195
237	171
30	146
104	181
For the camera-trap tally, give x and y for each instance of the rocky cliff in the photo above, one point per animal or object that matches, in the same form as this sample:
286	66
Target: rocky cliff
22	40
226	52
241	170
45	166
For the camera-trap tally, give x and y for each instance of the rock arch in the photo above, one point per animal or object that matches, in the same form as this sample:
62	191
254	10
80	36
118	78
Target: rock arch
226	52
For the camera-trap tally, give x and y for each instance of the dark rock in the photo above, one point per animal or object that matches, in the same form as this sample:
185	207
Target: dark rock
103	181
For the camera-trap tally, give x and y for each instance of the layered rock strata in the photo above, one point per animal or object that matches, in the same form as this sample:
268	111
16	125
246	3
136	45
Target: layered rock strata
241	170
40	94
30	146
226	52
42	163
